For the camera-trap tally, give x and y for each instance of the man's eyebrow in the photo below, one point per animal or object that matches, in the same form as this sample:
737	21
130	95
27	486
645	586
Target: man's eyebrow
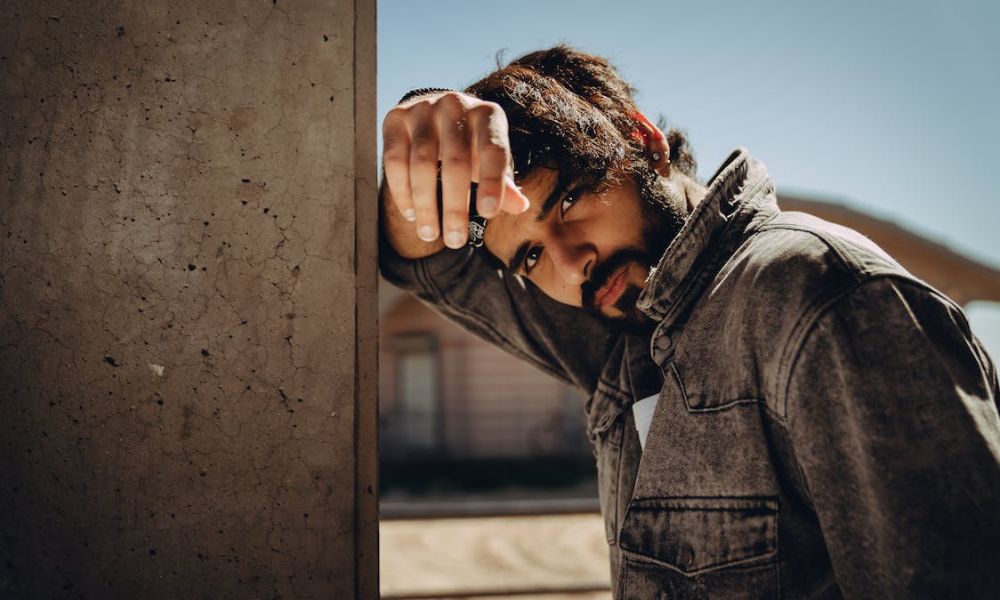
518	259
553	198
515	262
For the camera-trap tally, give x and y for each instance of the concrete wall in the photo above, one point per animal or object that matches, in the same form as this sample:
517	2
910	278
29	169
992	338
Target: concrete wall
187	299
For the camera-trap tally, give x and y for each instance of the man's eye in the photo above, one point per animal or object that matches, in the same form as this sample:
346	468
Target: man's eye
567	203
531	258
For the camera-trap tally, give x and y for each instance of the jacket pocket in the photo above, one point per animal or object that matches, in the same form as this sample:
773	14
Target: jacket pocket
700	547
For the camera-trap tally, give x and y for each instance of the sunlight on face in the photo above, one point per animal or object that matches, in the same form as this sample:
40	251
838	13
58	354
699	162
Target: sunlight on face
580	247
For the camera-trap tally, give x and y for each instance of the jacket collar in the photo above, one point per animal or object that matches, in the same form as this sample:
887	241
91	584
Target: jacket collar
740	196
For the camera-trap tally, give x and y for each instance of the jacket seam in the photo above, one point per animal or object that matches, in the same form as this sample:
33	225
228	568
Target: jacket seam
688	502
830	241
807	323
810	314
796	341
782	420
709	409
638	558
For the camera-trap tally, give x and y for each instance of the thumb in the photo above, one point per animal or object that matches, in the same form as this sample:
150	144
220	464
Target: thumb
513	200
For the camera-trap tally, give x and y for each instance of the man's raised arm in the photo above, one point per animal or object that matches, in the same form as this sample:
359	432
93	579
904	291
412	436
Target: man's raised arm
467	137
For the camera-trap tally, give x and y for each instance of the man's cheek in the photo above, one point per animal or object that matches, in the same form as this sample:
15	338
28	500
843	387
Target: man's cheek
565	294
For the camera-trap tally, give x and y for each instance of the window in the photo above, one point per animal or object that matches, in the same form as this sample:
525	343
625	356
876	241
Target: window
414	424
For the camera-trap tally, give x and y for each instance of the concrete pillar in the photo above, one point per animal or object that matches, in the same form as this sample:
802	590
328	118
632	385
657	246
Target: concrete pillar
187	299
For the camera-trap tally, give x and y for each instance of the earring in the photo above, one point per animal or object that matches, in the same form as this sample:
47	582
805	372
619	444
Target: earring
656	157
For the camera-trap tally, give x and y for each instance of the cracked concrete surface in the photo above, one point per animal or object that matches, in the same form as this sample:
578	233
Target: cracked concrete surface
179	319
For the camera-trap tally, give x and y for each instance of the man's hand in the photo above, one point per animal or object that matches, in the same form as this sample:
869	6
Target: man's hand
469	138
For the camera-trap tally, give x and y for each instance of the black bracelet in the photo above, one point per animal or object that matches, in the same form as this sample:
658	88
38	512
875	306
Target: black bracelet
477	224
422	92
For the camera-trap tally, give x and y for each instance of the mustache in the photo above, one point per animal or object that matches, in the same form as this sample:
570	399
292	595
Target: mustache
600	275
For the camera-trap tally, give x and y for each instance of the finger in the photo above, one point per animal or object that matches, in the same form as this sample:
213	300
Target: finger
396	162
492	161
423	172
455	170
514	200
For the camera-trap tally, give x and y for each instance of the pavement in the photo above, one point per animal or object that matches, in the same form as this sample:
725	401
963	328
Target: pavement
541	557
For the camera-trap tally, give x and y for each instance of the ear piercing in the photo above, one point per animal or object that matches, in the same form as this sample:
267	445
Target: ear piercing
656	157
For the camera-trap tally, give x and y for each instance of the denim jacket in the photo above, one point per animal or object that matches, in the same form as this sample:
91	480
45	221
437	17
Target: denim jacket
826	423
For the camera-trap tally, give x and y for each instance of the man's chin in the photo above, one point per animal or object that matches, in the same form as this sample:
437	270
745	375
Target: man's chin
625	315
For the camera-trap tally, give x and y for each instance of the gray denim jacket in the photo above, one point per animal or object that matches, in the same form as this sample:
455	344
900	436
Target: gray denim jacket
826	426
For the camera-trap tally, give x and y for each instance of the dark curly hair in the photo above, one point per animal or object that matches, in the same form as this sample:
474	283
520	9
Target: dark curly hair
571	111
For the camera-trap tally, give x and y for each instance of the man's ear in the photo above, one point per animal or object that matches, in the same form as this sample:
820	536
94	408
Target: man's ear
657	148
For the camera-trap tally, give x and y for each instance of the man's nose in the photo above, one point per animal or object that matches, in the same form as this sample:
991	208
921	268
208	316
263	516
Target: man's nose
573	260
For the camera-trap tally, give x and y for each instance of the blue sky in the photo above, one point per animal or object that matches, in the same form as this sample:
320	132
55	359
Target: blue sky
890	107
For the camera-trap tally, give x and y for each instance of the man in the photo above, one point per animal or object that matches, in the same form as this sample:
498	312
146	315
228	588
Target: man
778	409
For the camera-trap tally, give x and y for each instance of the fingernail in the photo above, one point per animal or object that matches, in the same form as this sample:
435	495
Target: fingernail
453	239
410	215
486	205
426	233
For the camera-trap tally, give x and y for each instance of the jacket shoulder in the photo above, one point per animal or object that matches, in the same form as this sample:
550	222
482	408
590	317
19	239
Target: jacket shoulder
780	278
797	263
811	246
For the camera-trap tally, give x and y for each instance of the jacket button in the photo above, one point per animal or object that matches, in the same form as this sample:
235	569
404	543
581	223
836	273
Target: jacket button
686	557
663	343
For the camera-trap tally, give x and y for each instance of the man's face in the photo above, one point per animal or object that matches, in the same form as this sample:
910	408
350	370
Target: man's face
583	248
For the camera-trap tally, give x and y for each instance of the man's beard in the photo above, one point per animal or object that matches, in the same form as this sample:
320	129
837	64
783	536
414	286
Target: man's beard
663	211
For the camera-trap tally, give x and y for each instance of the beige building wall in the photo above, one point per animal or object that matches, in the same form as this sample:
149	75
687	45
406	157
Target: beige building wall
490	403
187	292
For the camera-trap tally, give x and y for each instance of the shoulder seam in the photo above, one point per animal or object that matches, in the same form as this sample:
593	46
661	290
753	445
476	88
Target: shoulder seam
850	266
811	316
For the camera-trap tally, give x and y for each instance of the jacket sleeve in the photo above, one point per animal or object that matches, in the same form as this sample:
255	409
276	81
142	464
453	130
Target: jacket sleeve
506	310
891	406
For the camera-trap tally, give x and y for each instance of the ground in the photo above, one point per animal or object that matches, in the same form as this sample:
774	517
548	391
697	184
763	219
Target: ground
526	556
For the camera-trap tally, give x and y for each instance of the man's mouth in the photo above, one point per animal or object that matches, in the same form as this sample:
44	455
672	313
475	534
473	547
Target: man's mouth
612	290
